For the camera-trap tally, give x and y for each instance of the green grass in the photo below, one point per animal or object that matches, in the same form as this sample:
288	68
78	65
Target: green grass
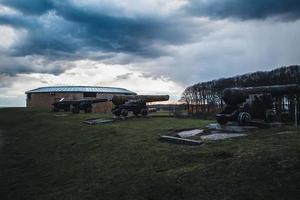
49	157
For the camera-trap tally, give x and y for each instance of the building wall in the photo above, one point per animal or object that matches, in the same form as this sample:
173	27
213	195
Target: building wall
45	100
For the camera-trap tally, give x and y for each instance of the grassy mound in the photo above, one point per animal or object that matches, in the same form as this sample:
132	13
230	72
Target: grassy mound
45	156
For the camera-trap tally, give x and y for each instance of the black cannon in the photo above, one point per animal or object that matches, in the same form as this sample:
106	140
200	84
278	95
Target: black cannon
244	104
76	105
134	103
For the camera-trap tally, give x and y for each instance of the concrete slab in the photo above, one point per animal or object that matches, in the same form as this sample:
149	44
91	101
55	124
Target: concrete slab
189	133
221	136
214	126
178	140
98	121
230	128
61	115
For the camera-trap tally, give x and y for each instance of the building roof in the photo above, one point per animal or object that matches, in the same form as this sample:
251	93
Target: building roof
76	89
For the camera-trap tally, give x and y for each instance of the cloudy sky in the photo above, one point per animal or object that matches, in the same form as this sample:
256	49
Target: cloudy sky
149	46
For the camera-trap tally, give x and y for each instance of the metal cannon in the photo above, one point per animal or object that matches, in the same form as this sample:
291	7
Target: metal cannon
137	104
76	105
243	104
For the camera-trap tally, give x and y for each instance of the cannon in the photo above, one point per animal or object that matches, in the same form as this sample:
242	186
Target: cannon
137	104
244	104
76	105
61	105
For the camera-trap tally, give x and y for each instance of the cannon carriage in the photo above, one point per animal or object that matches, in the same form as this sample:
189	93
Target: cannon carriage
76	105
245	104
137	104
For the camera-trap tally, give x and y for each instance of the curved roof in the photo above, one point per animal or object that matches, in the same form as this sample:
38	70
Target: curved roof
74	89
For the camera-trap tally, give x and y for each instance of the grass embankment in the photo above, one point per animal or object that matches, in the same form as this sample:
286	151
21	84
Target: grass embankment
50	157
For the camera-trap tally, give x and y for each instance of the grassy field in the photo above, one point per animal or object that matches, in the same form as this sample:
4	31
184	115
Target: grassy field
44	156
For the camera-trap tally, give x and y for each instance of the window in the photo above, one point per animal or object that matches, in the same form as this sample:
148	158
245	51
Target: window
89	94
28	96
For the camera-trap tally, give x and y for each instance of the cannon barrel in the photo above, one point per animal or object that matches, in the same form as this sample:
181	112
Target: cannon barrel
233	96
121	99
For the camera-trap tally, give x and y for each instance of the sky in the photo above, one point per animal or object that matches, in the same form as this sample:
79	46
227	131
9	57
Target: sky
149	46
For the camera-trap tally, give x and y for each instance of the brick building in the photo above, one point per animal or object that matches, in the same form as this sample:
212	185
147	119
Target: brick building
43	97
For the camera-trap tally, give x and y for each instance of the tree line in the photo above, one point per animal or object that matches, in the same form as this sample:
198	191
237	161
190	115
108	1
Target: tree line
204	95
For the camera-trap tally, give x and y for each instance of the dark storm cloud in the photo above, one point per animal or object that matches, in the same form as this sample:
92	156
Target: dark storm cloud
50	38
12	70
245	9
60	29
74	28
30	6
17	21
123	34
63	30
26	65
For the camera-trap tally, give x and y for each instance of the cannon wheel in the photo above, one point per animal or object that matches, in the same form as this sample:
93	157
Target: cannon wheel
144	111
136	112
117	112
271	116
124	112
244	118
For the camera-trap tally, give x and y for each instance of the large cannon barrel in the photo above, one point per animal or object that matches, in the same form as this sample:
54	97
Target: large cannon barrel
233	96
121	99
